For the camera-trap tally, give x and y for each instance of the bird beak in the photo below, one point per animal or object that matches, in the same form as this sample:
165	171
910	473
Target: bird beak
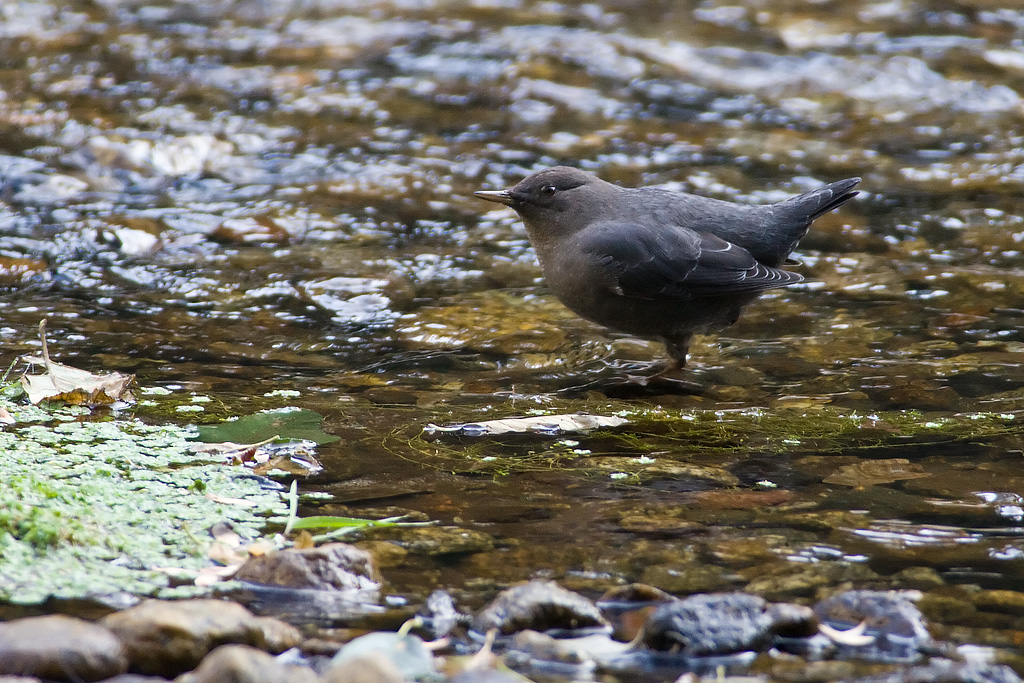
500	196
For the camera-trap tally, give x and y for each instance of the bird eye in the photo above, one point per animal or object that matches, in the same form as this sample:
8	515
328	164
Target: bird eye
548	190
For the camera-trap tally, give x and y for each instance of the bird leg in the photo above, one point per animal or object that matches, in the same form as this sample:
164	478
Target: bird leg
677	348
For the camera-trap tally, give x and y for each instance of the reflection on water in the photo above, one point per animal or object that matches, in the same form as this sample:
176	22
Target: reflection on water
244	196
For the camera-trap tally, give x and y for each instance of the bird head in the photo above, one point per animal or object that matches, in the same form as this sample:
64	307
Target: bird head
555	202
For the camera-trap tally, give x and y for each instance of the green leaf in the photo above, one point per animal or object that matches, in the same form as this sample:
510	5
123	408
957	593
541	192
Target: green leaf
329	522
289	423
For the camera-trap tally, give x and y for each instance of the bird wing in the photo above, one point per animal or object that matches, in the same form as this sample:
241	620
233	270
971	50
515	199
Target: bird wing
674	262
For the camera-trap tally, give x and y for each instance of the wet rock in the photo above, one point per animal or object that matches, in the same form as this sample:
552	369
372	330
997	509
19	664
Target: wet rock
799	670
493	321
627	607
947	609
736	499
405	652
566	656
168	638
634	593
658	522
725	623
335	566
946	671
736	376
918	578
1010	602
244	664
918	395
60	648
746	552
383	396
694	578
788	581
872	472
437	540
487	676
439	615
663	469
385	554
367	668
895	623
538	606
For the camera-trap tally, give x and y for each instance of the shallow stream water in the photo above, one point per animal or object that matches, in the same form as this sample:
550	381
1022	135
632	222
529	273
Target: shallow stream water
237	197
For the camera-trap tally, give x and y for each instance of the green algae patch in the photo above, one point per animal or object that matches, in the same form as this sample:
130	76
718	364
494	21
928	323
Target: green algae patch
98	506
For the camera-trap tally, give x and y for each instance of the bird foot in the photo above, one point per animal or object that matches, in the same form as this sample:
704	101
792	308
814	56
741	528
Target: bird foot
664	380
634	385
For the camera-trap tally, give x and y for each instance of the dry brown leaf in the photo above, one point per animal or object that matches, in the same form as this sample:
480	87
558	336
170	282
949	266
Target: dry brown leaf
234	453
545	424
304	540
260	547
209	576
225	554
872	472
305	466
75	386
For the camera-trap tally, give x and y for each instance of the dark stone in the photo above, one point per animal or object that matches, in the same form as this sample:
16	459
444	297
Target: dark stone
440	616
946	671
169	638
372	667
897	625
243	664
335	566
60	648
538	606
724	623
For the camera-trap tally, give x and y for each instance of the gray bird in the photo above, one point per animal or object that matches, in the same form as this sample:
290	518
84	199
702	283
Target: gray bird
655	263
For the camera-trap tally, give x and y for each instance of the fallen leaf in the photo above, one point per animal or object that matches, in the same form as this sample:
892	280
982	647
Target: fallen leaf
304	540
234	453
77	387
209	576
262	546
292	465
871	472
225	554
551	425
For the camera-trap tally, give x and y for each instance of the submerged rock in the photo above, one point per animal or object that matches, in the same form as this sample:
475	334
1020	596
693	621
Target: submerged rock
946	671
889	617
335	566
440	615
169	638
404	652
367	668
538	606
60	648
724	623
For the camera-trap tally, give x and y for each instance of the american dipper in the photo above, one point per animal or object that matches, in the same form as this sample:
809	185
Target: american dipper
655	263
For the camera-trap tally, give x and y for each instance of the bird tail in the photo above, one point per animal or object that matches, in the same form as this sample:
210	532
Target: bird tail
817	203
792	217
